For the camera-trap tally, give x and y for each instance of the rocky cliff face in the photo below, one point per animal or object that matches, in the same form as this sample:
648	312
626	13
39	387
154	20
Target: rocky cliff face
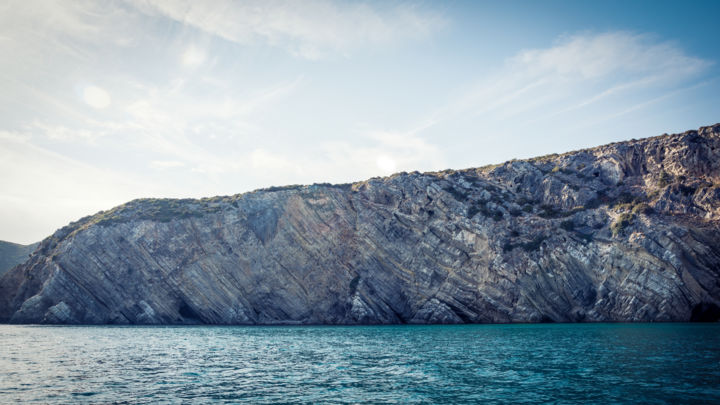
623	232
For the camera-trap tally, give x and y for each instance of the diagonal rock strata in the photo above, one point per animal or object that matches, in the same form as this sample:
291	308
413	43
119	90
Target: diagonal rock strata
622	232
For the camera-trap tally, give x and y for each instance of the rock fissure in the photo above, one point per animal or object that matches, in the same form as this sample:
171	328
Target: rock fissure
623	232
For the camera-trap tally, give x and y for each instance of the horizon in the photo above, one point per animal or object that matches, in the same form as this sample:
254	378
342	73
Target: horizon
111	101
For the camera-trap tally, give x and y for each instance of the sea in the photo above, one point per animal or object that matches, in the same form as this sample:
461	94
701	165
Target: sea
514	364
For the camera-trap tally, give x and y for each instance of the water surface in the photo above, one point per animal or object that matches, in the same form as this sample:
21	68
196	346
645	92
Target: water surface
561	363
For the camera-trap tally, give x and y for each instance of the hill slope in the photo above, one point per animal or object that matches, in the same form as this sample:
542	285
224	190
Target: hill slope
623	232
12	254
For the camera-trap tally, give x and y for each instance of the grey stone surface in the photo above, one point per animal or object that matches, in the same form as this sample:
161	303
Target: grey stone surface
622	232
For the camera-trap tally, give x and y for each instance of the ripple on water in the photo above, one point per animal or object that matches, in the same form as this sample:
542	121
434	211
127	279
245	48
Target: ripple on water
661	363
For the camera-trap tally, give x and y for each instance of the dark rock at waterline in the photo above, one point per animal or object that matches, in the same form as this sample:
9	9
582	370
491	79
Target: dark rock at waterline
705	312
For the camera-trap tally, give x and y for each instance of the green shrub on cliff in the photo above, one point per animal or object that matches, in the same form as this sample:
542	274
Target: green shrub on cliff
621	223
642	208
664	179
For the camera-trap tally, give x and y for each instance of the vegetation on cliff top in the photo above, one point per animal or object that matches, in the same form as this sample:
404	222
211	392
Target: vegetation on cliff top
465	186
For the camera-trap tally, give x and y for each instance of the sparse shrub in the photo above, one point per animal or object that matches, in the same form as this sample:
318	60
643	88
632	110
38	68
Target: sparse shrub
623	206
548	211
473	209
642	208
664	179
600	199
652	195
626	201
457	194
478	207
624	198
109	220
481	207
621	223
686	190
282	188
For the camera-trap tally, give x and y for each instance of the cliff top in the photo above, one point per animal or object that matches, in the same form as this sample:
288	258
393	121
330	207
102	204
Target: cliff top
649	165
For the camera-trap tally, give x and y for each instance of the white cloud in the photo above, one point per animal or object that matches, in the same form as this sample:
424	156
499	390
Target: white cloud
386	164
65	134
262	159
560	82
193	56
310	29
378	153
44	190
106	101
172	122
593	56
96	97
166	164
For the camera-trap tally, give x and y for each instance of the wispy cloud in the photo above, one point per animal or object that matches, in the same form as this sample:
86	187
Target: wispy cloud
599	55
648	102
166	164
309	29
104	101
43	189
174	123
380	152
569	85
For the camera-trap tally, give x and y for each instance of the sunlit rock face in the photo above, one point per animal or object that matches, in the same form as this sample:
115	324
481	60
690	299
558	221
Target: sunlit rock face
622	232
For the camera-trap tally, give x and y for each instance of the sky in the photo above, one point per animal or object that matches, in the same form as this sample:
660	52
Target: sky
102	102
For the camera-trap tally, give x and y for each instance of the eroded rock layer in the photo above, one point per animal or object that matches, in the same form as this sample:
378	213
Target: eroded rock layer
623	232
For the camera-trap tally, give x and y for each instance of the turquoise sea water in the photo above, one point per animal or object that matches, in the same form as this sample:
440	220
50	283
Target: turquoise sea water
559	363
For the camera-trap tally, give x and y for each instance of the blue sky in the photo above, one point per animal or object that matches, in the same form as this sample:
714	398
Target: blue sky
103	102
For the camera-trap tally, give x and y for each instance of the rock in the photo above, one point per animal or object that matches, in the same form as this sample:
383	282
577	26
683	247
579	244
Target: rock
12	254
621	232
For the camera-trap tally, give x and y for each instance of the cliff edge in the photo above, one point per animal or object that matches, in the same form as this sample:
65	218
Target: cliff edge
622	232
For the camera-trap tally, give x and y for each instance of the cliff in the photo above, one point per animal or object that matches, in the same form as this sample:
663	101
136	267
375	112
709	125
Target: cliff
12	254
623	232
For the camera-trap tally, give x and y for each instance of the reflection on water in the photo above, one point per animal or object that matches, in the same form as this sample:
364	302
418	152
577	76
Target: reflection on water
430	364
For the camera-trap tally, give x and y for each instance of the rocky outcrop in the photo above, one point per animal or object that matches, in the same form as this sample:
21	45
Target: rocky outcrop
623	232
12	254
